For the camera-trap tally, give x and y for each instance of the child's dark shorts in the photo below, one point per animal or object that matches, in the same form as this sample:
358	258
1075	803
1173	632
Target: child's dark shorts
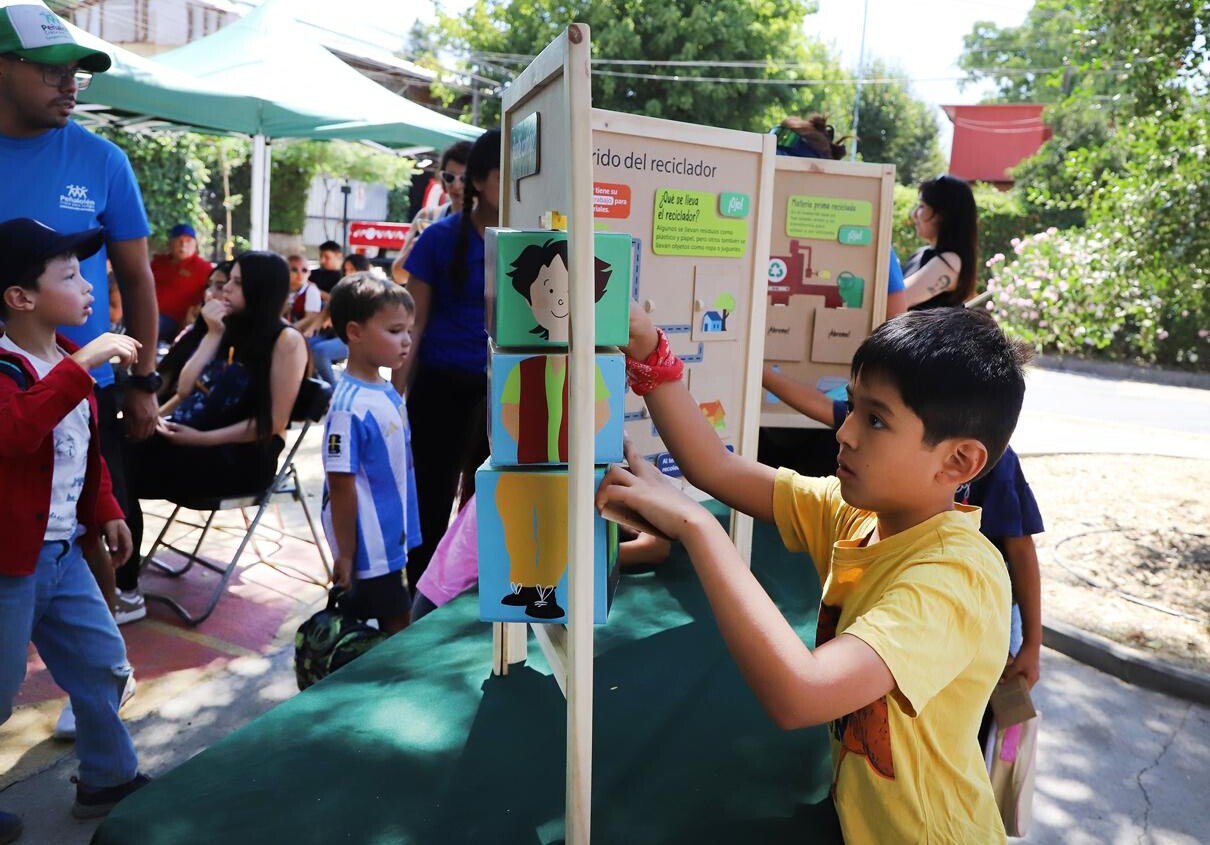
378	598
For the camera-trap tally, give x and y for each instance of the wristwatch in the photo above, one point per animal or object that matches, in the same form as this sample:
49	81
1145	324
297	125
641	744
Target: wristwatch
150	383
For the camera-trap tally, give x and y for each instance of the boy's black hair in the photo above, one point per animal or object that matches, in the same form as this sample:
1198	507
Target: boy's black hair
955	369
359	297
533	258
330	246
360	262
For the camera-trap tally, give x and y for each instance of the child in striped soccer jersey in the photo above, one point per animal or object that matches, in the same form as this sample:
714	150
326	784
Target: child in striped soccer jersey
369	507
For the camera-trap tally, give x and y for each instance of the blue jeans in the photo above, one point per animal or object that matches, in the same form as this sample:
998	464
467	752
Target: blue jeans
61	610
325	350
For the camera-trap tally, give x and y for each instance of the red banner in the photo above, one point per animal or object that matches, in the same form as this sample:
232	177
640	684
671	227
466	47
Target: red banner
384	235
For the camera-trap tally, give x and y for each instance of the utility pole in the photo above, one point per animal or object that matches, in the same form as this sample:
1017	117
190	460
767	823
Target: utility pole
345	189
865	17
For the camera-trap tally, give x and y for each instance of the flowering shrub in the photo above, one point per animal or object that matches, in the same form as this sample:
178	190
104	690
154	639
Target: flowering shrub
1088	292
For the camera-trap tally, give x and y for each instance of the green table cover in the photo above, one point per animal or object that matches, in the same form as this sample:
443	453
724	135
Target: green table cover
416	742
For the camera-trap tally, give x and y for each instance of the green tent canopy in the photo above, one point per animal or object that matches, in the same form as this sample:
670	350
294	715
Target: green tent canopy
268	55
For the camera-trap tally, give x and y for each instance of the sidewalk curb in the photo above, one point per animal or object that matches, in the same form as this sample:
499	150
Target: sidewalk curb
1119	370
1130	665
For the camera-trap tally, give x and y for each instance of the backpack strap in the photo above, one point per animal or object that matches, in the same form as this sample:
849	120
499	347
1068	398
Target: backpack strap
14	371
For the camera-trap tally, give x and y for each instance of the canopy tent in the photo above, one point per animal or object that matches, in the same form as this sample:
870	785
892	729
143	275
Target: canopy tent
148	91
269	56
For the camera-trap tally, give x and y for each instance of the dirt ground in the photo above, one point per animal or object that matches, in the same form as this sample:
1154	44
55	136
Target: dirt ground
1126	553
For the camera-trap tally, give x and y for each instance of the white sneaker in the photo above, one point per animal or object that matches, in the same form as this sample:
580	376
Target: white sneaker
65	726
129	606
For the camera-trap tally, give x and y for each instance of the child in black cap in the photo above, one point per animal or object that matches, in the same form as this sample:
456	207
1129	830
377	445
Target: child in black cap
55	499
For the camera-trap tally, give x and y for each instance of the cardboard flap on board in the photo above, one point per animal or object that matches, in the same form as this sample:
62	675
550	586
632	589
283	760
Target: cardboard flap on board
838	333
787	328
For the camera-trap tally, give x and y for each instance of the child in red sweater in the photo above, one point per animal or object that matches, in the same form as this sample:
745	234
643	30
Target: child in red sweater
55	498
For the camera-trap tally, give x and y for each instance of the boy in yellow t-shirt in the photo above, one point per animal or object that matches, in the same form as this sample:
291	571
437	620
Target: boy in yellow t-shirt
914	617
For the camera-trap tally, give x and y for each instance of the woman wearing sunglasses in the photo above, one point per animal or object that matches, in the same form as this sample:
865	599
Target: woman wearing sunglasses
453	180
947	219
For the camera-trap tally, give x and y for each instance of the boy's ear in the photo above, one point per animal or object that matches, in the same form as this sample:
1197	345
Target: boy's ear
17	298
966	457
353	330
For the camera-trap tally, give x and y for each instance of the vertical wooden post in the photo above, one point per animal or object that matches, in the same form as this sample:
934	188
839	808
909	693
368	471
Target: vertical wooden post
578	111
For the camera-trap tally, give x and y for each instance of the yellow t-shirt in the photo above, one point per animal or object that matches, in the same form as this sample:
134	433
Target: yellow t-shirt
933	602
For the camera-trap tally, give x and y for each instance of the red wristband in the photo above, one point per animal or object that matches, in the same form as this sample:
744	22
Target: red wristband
660	367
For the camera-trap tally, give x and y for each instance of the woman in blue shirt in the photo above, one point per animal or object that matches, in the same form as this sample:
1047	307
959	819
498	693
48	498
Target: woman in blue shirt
448	365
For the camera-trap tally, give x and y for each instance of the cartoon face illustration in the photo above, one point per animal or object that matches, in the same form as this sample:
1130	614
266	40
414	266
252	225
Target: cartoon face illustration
540	275
549	300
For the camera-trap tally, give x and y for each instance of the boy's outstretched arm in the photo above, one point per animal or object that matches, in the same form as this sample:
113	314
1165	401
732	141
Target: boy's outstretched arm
1022	558
795	686
803	398
739	483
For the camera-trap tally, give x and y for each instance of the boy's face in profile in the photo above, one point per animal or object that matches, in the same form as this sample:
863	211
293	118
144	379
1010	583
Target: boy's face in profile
386	338
63	297
884	464
549	301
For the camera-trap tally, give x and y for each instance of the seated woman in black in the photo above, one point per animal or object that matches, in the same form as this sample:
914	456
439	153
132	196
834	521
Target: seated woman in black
187	342
236	392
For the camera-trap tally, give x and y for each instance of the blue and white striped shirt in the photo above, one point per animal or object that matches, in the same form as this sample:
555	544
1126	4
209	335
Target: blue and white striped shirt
367	436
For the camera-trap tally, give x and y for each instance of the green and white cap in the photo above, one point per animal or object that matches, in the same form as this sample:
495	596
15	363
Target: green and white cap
34	32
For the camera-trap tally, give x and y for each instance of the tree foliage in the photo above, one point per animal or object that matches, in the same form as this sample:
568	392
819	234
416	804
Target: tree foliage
896	128
173	170
1148	54
296	164
1043	60
1130	165
498	37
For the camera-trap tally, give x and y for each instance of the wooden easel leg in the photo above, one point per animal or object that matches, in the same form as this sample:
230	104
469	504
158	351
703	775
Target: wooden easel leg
510	644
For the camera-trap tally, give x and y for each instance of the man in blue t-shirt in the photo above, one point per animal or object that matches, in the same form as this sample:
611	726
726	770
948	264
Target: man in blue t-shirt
59	173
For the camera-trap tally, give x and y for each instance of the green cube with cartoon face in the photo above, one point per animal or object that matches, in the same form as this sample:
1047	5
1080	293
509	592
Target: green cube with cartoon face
528	283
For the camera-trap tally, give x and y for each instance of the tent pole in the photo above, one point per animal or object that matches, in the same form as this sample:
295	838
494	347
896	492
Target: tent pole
259	236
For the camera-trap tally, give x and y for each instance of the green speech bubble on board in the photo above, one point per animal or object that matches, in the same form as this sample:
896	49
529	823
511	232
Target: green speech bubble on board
855	235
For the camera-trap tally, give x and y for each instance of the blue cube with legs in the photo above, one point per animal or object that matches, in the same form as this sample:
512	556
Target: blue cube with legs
523	533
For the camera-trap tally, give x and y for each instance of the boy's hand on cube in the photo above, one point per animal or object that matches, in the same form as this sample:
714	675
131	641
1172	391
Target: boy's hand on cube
642	491
105	348
342	572
643	338
118	541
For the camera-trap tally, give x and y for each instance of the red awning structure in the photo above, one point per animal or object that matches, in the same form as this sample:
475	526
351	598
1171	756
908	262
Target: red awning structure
990	140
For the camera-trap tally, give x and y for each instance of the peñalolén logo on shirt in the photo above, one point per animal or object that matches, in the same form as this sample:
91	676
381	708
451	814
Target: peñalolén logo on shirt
75	198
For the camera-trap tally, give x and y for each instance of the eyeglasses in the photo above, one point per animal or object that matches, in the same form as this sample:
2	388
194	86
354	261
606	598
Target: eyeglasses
56	76
449	178
302	270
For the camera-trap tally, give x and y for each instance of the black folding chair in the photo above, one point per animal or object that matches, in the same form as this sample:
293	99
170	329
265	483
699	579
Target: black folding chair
309	408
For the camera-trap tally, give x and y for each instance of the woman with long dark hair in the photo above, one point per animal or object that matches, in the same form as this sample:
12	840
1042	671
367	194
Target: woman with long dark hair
448	365
946	218
236	392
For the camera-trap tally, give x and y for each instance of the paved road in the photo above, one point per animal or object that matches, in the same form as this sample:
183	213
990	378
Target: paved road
1069	412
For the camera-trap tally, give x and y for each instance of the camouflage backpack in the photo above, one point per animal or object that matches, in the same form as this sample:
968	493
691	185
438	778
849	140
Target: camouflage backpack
330	639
